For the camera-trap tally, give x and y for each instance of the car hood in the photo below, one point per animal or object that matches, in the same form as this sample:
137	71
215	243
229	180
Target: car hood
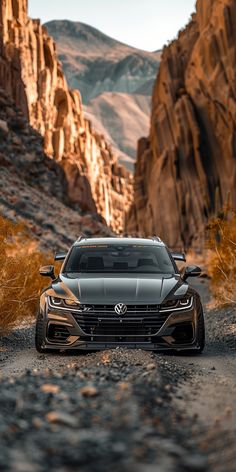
144	289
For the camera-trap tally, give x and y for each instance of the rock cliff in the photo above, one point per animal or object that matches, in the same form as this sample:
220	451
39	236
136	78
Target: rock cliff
190	156
31	74
115	81
33	186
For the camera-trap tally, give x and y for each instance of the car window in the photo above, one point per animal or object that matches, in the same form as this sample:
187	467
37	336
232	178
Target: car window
125	258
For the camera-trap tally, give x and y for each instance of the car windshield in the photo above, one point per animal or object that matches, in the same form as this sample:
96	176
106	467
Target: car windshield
114	258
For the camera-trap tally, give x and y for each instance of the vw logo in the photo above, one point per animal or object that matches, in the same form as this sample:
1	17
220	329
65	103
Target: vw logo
120	309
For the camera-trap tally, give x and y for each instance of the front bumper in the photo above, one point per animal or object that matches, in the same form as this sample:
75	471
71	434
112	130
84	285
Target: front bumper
178	332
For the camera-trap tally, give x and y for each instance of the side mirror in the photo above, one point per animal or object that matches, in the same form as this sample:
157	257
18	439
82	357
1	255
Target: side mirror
47	271
60	256
179	256
191	271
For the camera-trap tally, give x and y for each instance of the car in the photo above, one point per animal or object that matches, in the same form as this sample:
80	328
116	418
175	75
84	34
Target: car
120	292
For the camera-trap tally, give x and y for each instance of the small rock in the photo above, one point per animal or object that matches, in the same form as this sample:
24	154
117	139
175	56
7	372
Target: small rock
49	388
61	418
4	127
89	391
159	401
144	374
151	366
195	463
16	140
124	386
37	423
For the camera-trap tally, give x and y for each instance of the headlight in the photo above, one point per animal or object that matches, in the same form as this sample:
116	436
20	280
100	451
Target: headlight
61	302
170	304
181	304
56	301
184	301
71	302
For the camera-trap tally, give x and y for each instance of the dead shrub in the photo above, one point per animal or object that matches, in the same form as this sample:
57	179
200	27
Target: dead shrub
20	282
222	257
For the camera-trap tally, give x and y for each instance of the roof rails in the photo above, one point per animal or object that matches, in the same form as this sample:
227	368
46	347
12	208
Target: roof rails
82	236
156	238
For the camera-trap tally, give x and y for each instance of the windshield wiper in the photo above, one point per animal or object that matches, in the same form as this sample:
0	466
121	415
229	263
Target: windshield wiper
115	272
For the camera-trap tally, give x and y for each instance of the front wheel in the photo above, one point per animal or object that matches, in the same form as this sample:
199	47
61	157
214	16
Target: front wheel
200	336
201	332
39	336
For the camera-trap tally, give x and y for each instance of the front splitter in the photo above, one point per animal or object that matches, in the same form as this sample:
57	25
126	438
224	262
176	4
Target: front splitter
95	346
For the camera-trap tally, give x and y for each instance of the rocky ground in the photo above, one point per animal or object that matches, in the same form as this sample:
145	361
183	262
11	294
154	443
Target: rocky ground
120	409
103	411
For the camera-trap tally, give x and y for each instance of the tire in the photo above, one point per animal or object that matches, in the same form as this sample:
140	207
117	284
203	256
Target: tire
200	336
39	337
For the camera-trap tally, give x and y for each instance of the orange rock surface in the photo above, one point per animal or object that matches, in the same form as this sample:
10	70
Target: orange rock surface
31	74
190	155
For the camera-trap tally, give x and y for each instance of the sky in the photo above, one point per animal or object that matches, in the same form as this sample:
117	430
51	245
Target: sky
145	24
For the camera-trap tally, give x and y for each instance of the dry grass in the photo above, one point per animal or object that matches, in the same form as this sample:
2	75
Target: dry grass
222	258
20	282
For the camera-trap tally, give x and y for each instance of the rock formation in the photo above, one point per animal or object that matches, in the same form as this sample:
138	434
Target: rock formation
33	186
125	117
115	81
31	74
190	155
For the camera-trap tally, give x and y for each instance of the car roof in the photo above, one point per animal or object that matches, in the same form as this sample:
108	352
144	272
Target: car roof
118	241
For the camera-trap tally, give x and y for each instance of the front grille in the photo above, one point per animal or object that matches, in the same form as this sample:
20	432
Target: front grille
139	320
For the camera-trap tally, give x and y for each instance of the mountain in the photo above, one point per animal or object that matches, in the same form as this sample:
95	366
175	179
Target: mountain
95	63
115	112
186	168
123	158
104	69
31	76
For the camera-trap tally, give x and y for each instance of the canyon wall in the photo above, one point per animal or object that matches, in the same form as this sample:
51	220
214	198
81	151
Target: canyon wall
189	160
31	74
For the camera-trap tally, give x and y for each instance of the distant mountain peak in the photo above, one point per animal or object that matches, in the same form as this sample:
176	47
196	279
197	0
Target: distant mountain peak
82	31
88	34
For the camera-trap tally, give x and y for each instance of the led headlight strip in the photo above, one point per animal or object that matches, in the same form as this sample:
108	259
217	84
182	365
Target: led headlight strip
177	305
60	303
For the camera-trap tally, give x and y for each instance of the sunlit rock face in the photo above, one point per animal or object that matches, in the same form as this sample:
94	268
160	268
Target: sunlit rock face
115	81
189	160
33	188
32	75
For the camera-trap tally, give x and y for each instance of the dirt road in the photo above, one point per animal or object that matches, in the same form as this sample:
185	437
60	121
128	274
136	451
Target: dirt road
120	409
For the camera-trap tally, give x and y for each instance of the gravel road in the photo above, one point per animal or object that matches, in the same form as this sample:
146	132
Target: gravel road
121	409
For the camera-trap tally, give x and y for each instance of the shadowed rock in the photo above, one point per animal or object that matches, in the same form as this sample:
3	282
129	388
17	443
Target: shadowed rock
189	156
31	74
